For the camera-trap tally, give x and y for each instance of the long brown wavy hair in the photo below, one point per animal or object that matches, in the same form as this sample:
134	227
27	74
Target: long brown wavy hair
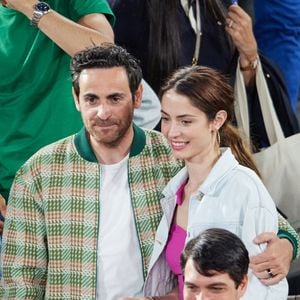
210	92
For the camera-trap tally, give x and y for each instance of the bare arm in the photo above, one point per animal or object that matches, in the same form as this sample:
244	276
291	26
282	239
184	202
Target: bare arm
68	35
239	27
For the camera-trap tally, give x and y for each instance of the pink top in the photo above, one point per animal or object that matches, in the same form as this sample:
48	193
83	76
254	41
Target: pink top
175	245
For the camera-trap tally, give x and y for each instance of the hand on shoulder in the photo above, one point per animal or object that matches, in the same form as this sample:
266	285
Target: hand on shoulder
273	264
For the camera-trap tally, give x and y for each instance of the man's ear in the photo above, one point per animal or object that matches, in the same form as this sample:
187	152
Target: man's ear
138	96
76	99
243	286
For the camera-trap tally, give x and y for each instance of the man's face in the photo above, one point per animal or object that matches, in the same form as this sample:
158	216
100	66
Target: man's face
106	105
217	287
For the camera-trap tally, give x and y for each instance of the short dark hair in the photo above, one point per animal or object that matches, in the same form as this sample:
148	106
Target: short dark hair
217	250
106	55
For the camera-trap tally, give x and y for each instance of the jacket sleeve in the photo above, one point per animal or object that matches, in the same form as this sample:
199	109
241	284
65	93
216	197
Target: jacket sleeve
148	114
286	231
258	219
24	250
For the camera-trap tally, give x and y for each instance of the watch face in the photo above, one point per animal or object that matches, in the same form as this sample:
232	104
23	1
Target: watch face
42	6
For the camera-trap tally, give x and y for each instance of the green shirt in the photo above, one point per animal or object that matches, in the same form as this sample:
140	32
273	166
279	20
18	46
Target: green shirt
36	104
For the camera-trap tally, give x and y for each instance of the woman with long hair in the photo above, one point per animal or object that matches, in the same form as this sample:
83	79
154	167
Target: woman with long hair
219	185
165	35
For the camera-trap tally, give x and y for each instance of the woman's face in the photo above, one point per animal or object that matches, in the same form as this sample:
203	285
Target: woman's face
187	129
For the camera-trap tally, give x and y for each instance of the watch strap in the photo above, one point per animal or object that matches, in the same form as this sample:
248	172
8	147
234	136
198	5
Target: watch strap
251	66
37	15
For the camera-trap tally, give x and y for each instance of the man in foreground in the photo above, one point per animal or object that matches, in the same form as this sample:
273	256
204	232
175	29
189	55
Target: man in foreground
83	211
215	266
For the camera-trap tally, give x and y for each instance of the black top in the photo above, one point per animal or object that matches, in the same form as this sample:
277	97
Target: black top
132	32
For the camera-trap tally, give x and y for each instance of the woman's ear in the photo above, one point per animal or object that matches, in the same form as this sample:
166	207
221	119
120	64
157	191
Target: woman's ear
219	119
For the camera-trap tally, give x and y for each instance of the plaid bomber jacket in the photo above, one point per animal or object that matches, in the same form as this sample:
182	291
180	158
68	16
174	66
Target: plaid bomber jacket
51	229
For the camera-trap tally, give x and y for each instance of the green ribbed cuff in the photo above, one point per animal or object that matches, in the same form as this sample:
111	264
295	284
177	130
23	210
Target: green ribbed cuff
283	234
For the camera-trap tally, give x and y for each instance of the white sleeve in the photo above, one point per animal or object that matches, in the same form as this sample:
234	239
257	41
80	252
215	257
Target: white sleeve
148	114
259	219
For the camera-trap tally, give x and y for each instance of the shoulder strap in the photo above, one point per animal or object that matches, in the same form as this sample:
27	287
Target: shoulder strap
270	118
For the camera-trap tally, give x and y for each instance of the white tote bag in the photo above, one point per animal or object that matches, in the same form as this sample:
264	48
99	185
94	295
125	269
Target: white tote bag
278	164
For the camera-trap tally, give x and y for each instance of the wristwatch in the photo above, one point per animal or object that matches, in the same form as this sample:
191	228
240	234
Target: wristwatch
40	9
251	66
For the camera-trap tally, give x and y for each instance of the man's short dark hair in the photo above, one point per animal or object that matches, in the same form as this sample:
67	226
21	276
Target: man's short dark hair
102	56
217	250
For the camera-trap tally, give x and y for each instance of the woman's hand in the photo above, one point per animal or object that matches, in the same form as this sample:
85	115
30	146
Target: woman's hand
239	27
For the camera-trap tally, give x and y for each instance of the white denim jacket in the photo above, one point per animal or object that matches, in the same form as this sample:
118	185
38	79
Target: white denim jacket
232	197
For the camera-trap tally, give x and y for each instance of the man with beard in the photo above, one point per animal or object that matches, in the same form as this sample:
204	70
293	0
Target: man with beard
83	211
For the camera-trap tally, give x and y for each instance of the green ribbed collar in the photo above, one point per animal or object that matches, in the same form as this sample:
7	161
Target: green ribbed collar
86	152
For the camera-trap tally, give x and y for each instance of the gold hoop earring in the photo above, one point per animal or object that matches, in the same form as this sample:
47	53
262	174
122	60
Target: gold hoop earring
218	138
